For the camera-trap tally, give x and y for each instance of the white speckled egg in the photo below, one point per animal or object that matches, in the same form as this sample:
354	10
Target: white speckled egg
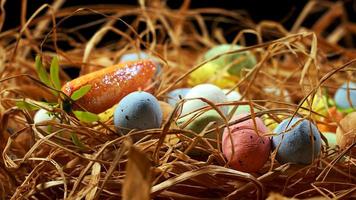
43	115
232	96
281	94
209	92
138	110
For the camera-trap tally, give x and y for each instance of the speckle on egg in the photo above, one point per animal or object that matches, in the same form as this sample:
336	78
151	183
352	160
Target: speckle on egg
235	61
346	132
209	92
296	145
138	110
175	95
251	148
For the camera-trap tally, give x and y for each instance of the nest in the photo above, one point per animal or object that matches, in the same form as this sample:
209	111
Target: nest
304	61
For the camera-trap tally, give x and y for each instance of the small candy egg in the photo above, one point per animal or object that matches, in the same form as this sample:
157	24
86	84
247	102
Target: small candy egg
107	114
245	149
346	131
271	123
241	109
296	145
235	62
235	96
232	96
211	73
319	105
209	92
167	111
175	95
138	110
331	138
330	123
43	115
345	93
278	92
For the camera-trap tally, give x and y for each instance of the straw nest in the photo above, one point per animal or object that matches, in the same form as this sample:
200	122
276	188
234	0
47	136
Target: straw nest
35	165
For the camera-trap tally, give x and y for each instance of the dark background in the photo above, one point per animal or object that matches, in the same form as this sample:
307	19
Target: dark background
284	11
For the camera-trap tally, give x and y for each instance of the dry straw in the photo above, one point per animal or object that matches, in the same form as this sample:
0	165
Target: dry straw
35	164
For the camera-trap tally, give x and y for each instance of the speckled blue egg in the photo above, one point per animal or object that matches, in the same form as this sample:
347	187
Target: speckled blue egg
341	96
300	145
175	95
141	56
138	110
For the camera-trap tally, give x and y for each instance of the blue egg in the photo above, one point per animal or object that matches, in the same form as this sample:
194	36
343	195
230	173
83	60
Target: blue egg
296	145
175	95
138	110
341	96
141	56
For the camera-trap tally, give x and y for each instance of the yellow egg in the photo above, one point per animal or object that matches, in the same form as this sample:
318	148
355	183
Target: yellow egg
319	105
107	114
212	73
171	139
167	109
271	123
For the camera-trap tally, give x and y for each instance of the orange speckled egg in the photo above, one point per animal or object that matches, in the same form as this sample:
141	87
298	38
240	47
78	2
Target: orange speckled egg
329	124
109	85
346	132
245	148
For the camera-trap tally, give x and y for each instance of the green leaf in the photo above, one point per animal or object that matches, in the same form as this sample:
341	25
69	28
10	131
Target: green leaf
23	105
86	117
76	141
54	73
41	71
81	92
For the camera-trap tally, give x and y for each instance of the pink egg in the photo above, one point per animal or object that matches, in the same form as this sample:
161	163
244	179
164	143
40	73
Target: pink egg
245	149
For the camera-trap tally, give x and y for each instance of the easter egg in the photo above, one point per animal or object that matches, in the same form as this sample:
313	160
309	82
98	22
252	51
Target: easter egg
345	96
245	149
109	85
346	131
331	138
107	114
301	144
138	110
207	91
175	95
232	96
43	115
167	110
234	62
280	94
318	105
211	73
330	123
270	122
